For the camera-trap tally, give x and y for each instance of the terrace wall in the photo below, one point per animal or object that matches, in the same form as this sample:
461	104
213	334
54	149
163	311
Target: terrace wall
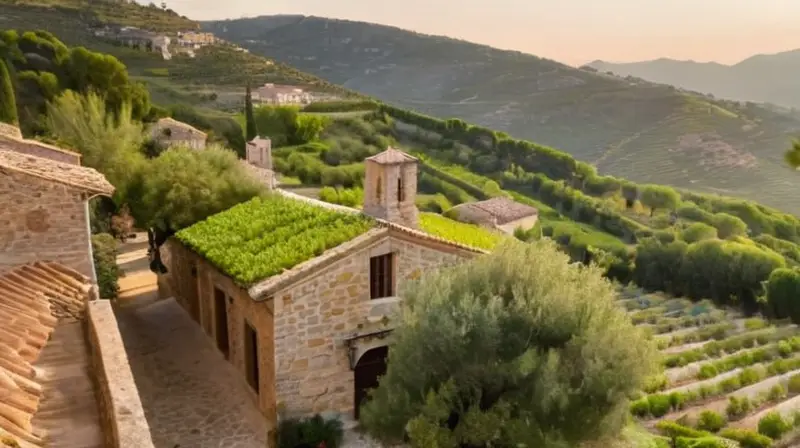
121	411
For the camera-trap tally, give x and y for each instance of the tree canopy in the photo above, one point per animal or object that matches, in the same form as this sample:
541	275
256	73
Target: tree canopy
516	347
45	67
8	104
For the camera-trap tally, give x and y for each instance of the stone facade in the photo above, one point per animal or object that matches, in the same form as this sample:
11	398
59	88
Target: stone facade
42	220
123	418
524	224
192	282
390	189
315	317
259	152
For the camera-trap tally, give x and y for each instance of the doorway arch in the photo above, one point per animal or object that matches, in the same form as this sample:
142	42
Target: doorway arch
370	367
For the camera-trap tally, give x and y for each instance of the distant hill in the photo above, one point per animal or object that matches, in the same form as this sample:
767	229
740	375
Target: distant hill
764	78
215	78
627	127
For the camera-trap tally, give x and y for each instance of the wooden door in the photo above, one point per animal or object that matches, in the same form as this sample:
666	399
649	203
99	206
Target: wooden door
369	369
221	320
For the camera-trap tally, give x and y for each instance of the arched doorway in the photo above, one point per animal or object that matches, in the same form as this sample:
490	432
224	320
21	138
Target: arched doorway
370	367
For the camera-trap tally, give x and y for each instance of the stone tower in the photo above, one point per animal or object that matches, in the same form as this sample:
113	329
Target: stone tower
390	187
259	152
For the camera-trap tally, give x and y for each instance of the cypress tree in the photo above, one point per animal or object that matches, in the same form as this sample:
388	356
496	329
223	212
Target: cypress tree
251	132
8	104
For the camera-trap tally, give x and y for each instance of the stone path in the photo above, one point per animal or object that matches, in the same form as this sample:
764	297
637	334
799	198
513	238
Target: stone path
192	397
138	280
68	413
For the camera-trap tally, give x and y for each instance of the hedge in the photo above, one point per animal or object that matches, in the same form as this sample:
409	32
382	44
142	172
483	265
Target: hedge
104	253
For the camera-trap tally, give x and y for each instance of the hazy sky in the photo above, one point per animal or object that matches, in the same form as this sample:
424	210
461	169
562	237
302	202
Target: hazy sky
570	31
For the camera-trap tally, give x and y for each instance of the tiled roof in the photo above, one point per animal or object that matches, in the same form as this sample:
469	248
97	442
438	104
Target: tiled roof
81	177
503	209
32	298
392	156
172	123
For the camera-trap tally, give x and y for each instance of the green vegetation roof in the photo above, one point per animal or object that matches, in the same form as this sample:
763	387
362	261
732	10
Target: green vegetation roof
265	236
458	232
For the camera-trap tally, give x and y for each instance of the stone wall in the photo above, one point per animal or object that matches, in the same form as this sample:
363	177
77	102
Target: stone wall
7	130
42	220
524	223
121	412
196	294
39	149
314	317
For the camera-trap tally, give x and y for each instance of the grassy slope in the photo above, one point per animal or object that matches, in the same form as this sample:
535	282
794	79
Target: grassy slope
217	69
630	128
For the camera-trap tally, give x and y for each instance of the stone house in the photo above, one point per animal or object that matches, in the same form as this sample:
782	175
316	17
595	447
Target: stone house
44	210
195	39
280	94
170	132
500	213
312	337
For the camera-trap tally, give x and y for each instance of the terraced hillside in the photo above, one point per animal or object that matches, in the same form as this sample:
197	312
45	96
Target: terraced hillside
628	127
215	78
723	375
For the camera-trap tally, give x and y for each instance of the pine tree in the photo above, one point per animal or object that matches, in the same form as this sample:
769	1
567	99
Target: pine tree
8	104
251	132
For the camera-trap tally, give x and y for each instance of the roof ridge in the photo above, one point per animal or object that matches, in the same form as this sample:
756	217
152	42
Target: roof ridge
88	179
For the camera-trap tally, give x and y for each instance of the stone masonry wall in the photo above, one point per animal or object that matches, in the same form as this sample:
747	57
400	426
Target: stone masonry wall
39	149
240	309
7	130
42	220
121	411
314	317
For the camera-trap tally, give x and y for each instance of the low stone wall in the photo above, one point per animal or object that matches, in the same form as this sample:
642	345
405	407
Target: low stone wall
10	131
121	411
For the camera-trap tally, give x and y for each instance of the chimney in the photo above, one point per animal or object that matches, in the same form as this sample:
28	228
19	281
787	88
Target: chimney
259	152
390	187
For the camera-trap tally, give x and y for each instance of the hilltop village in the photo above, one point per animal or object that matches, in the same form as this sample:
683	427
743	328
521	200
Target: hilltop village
307	267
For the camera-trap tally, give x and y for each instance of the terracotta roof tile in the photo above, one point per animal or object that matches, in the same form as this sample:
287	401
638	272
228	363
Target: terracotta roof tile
392	156
32	298
503	209
81	177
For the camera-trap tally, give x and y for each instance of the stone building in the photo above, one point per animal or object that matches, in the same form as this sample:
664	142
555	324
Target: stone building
44	210
313	336
500	213
281	94
258	160
170	132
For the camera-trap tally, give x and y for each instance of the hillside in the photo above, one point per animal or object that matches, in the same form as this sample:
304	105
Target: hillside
763	78
631	128
214	79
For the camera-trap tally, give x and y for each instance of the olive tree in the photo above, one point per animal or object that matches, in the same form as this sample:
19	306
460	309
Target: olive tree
783	294
8	103
515	348
728	225
659	197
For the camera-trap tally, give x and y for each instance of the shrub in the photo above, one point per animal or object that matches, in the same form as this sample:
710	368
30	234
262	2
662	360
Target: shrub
8	105
747	439
703	442
311	432
104	252
707	371
776	392
794	384
737	407
467	328
660	405
773	425
674	429
710	421
640	408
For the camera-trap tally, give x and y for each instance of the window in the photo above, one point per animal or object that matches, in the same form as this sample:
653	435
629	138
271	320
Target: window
378	189
400	193
251	355
381	276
